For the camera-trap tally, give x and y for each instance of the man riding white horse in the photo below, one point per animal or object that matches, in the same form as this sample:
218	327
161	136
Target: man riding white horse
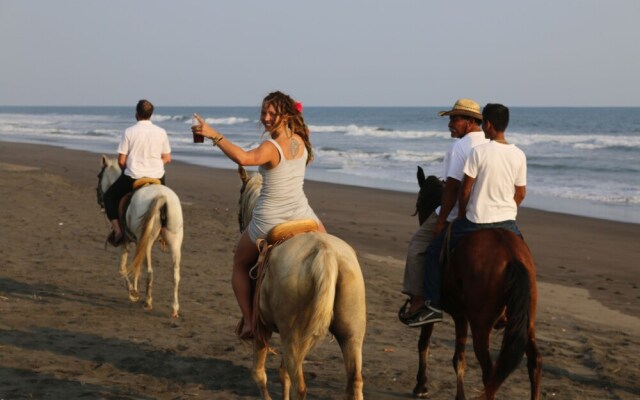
142	153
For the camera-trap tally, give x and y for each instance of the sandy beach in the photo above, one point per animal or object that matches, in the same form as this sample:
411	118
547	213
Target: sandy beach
68	330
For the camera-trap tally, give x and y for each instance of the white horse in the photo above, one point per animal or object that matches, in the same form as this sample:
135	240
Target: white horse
149	206
313	285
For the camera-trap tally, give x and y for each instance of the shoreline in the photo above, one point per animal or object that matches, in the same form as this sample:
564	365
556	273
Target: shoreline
576	207
68	329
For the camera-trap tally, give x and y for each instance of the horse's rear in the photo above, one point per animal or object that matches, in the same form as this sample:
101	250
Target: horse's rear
313	286
155	213
491	270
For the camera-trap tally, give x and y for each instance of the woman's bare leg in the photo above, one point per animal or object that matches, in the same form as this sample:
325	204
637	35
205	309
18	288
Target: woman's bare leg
245	257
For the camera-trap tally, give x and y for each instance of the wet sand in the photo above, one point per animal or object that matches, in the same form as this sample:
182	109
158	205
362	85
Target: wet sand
68	330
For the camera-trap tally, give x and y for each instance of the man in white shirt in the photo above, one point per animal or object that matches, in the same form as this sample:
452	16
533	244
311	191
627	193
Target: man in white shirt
142	153
464	122
495	180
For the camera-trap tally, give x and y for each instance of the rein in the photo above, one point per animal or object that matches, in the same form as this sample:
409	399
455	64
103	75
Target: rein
445	252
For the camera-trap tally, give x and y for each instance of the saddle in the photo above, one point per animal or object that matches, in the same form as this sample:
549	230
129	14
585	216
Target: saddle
276	236
126	200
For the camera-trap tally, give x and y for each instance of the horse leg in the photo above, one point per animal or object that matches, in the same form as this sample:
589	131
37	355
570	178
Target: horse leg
292	357
175	258
482	346
148	304
349	323
285	381
351	346
534	364
174	240
421	390
133	293
259	374
459	359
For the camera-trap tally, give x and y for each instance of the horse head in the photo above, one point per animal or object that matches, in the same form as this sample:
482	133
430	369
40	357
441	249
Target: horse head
249	193
106	177
429	195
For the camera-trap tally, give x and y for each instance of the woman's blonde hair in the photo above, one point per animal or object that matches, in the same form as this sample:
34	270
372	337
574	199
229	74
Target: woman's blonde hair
286	109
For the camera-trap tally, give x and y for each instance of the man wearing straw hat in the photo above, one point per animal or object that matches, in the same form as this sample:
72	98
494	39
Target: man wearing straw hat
465	120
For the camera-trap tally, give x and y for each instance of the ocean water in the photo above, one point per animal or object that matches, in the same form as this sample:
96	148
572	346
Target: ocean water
583	161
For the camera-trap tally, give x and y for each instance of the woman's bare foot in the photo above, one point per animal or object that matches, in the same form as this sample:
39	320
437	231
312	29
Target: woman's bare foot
244	330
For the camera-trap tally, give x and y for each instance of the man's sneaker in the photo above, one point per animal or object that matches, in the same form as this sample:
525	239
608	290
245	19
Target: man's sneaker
424	315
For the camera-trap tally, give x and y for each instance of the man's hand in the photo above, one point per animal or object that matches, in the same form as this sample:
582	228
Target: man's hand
439	228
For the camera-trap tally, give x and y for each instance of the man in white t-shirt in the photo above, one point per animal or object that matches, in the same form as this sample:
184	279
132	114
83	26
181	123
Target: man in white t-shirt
495	178
464	122
142	153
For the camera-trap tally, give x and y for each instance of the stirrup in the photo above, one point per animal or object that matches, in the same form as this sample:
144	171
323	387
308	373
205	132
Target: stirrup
403	313
111	239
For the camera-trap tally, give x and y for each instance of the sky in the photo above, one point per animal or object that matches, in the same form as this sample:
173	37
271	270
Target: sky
324	53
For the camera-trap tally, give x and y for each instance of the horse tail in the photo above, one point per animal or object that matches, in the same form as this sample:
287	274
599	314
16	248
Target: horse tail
151	225
323	272
514	341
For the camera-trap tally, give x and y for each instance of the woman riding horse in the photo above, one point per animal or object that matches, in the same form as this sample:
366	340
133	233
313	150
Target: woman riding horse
282	161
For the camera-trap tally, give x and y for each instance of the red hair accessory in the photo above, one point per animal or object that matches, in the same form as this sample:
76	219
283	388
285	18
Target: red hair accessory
298	106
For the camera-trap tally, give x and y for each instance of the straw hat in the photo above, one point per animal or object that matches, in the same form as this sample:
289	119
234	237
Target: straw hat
465	107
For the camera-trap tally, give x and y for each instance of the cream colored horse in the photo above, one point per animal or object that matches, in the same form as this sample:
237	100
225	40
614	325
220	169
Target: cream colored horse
144	219
313	285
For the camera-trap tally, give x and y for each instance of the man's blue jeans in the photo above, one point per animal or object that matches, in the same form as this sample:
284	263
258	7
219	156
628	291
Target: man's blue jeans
461	227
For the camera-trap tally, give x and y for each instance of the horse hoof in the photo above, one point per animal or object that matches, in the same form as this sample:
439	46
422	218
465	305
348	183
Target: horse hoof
148	306
133	296
174	314
420	393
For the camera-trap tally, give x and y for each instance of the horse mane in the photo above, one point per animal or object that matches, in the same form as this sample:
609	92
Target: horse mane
249	193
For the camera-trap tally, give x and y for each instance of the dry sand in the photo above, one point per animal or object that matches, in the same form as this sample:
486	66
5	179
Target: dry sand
68	331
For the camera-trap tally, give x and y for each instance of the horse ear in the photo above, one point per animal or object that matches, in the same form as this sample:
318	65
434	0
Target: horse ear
104	160
421	179
244	176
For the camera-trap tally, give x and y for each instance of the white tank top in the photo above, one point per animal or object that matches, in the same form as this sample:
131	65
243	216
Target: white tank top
282	196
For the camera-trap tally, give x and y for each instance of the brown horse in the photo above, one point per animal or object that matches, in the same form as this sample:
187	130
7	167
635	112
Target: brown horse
490	273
